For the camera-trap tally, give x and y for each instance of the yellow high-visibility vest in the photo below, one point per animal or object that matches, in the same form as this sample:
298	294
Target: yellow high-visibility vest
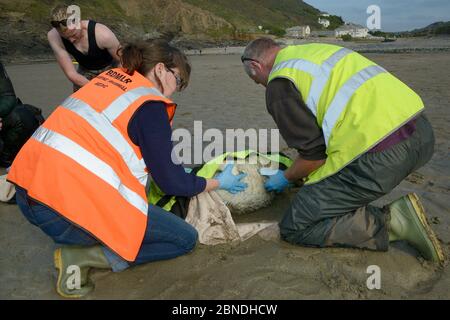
356	102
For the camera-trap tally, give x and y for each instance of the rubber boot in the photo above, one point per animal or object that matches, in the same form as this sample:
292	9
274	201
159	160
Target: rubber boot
85	258
408	222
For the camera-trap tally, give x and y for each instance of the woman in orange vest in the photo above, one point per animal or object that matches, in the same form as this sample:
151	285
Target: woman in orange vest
82	176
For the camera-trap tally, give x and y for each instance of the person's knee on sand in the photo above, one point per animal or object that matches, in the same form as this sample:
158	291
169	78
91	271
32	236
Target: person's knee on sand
171	227
369	228
191	240
306	236
303	214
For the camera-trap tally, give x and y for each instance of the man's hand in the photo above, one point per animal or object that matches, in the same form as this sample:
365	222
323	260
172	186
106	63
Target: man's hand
276	180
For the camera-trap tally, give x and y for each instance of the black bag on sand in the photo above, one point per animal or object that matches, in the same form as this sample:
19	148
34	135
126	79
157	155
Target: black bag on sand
18	126
19	121
7	95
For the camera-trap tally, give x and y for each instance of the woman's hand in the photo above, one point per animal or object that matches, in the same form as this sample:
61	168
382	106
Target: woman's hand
228	181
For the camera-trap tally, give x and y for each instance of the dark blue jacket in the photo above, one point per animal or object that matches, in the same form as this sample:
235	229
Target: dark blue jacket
150	129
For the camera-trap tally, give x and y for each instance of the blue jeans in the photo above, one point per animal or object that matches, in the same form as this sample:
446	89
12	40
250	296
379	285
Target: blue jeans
167	236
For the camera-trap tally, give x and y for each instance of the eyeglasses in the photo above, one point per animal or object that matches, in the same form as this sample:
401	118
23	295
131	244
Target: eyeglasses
243	59
56	24
177	77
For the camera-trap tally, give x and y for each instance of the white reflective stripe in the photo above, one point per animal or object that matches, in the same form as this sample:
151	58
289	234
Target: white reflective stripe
91	163
321	80
302	65
100	123
298	64
344	95
115	109
144	166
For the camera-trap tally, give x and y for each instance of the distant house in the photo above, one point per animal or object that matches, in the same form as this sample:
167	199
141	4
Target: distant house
355	30
298	32
324	22
324	14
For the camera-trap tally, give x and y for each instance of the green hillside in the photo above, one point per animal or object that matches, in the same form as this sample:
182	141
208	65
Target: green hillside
437	28
271	14
25	23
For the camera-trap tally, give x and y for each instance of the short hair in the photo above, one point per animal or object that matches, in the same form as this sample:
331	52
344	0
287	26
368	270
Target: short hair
59	13
256	48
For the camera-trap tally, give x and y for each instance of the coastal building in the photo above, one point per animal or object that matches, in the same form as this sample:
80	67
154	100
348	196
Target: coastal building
324	22
354	30
298	32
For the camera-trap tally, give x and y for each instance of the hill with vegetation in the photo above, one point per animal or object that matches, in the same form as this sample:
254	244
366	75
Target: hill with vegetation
437	28
25	23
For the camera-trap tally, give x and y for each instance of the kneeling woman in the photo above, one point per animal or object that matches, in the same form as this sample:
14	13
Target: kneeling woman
81	178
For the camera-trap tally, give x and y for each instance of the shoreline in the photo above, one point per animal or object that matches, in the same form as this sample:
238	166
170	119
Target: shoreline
401	46
216	52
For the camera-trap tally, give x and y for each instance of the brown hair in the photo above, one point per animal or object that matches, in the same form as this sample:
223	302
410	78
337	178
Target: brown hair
142	56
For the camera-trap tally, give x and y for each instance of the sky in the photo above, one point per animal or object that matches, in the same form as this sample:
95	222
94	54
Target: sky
396	15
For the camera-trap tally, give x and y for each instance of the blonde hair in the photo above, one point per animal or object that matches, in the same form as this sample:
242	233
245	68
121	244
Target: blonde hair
59	12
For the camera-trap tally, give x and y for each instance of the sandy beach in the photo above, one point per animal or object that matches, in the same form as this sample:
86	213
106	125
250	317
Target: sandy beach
222	96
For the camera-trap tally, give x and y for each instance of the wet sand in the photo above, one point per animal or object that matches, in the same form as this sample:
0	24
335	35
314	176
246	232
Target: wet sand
223	97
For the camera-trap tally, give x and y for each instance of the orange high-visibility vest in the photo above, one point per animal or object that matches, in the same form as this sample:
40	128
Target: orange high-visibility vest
82	163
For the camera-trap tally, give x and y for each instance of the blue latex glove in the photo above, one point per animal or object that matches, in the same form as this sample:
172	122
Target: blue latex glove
276	180
228	181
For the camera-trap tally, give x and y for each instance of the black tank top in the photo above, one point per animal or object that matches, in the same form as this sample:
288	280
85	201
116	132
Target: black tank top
96	58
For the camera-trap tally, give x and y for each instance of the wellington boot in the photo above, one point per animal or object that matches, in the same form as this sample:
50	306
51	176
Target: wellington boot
408	222
70	259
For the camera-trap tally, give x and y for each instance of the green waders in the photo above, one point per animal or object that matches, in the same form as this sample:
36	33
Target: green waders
336	211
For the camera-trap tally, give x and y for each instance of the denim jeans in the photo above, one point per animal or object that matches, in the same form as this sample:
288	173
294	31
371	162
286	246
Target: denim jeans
167	236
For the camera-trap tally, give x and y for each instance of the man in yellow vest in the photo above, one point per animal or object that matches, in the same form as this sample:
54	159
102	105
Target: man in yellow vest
359	132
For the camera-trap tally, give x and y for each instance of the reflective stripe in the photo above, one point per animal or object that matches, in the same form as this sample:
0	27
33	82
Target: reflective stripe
344	95
91	163
100	123
302	65
115	109
321	80
298	64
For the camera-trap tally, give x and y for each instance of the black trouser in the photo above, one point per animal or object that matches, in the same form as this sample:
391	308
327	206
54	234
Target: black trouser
17	128
336	210
8	98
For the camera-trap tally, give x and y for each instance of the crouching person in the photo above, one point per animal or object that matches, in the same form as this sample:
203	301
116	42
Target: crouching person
359	132
82	177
